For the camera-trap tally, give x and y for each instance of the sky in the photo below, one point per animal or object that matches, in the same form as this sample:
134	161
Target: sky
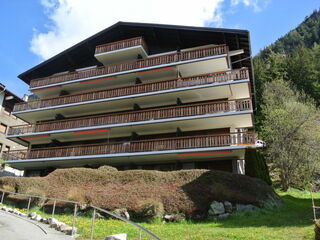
35	30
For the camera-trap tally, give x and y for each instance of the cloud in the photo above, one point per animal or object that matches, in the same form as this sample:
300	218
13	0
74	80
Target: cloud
257	5
71	21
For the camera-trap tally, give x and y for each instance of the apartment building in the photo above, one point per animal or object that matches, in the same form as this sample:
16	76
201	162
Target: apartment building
7	101
140	96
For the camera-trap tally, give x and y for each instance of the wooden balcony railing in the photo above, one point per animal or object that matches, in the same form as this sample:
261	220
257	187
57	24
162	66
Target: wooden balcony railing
131	65
189	142
136	116
212	78
108	47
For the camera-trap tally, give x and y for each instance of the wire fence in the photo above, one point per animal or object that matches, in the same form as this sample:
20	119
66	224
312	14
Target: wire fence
95	209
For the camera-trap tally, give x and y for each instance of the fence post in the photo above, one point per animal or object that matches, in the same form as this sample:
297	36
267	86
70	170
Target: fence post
53	208
92	224
140	237
2	197
74	219
29	202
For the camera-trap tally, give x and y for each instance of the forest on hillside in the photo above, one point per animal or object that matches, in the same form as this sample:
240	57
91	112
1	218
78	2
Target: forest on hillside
287	76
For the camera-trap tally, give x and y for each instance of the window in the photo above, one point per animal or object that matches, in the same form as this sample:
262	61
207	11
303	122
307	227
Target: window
3	128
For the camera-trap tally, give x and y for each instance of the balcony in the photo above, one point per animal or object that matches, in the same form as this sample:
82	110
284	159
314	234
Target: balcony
164	60
174	146
189	89
121	51
186	117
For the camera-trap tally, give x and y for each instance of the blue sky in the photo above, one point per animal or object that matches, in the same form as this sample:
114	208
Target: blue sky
33	30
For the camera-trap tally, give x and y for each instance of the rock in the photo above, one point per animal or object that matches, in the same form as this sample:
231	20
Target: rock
23	215
122	212
68	230
174	218
38	218
32	214
99	216
44	220
216	208
35	217
223	216
228	206
54	223
243	207
122	236
60	227
15	211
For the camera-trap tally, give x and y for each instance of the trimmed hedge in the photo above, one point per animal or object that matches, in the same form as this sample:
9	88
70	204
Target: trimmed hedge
256	165
187	192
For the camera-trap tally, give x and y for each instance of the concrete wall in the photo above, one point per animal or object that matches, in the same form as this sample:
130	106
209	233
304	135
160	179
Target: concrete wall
9	120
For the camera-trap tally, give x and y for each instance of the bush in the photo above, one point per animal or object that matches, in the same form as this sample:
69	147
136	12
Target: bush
9	188
256	166
76	194
37	192
150	210
107	168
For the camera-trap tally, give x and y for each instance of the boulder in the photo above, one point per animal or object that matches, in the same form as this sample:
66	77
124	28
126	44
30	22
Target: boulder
23	214
15	211
122	236
216	208
243	207
54	223
174	217
44	220
228	206
38	218
122	212
60	227
32	215
68	230
99	216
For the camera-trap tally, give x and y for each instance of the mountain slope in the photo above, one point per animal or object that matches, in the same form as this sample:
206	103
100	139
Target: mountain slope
295	58
305	35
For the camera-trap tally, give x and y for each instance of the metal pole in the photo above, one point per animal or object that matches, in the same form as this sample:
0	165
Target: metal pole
140	237
53	208
313	207
29	204
74	219
92	224
2	197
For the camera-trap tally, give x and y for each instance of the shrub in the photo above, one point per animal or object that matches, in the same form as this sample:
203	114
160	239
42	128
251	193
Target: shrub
150	210
37	192
9	188
256	165
76	194
107	168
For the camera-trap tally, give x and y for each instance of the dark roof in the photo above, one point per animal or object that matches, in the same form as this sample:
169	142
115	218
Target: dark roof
9	103
159	38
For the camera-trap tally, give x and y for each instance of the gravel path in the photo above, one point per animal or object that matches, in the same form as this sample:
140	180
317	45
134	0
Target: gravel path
14	227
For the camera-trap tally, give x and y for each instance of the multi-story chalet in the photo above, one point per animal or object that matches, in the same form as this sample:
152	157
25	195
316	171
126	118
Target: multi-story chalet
7	101
140	96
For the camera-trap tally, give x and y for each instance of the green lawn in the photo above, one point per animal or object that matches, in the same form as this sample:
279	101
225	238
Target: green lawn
291	221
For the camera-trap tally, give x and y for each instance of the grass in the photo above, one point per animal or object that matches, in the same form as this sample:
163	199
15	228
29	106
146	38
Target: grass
292	221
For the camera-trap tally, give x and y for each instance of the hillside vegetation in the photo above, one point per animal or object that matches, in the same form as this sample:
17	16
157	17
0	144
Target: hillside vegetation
287	75
187	191
294	57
